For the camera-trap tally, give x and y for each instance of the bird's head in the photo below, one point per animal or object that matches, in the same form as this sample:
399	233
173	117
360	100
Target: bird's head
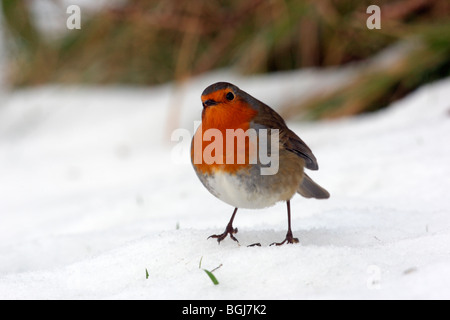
224	104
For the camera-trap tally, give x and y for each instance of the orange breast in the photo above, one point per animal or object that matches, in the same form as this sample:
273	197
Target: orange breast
218	143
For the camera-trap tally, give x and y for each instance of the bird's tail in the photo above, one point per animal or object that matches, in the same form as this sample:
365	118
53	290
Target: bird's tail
310	189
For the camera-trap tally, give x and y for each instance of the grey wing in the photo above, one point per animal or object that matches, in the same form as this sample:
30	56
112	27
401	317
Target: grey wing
288	138
296	145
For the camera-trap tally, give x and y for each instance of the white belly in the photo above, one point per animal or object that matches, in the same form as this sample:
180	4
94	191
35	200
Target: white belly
240	192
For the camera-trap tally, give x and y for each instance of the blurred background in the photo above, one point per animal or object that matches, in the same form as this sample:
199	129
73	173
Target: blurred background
137	42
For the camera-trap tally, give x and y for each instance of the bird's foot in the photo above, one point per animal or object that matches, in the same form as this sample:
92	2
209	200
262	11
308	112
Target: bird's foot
228	231
289	239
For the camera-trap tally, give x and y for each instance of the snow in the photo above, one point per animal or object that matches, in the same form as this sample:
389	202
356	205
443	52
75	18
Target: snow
94	193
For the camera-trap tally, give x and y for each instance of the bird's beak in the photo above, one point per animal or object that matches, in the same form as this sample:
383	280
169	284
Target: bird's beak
209	103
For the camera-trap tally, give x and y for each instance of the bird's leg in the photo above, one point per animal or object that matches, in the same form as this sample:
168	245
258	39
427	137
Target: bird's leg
289	237
229	230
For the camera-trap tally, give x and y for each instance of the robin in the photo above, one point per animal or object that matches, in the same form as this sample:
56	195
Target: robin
234	175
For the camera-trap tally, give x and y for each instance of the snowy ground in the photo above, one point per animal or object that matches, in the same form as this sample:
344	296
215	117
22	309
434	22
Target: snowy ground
93	193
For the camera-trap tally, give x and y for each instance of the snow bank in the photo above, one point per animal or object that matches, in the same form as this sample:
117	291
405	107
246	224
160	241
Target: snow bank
93	193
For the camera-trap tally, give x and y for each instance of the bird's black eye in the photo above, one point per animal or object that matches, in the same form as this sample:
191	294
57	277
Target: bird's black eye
230	96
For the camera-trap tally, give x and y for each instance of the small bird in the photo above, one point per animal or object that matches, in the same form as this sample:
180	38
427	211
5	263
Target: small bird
234	175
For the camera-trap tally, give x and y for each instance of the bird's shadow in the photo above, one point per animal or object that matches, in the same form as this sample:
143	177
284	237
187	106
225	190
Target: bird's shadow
310	237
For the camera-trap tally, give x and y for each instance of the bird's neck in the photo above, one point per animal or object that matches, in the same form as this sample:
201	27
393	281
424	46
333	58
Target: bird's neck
222	117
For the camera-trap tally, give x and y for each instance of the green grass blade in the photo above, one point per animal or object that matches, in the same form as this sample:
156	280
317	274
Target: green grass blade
212	277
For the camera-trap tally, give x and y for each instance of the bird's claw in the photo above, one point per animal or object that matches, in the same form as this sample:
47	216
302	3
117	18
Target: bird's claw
289	239
257	244
228	231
